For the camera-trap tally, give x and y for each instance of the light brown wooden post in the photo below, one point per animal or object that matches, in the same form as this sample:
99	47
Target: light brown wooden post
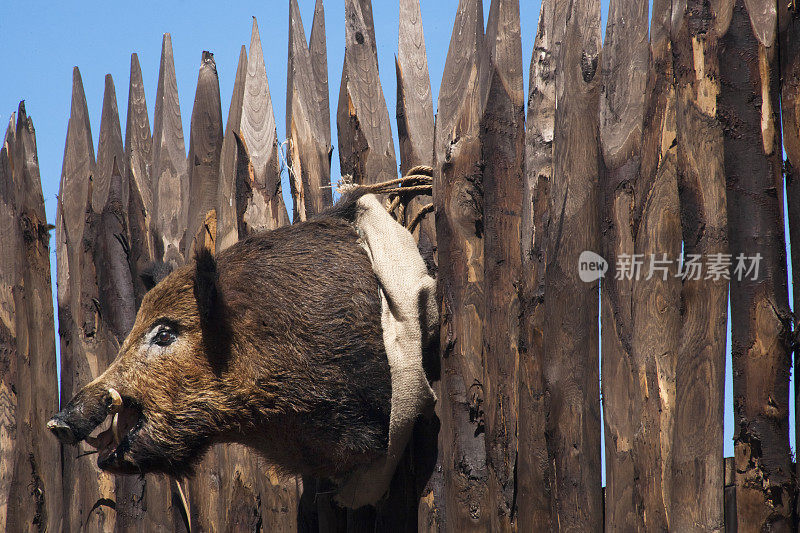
458	188
168	169
570	342
748	109
262	204
85	339
366	149
205	145
503	144
535	503
308	153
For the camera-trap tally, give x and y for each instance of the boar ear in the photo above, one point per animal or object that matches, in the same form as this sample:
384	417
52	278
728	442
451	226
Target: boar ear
205	284
152	274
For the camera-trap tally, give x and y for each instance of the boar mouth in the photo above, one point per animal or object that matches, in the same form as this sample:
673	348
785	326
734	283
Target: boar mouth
113	444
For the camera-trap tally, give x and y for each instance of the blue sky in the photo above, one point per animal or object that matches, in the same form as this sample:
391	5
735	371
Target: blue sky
42	40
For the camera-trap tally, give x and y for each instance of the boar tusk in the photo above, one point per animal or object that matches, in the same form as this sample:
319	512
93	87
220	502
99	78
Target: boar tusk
115	429
116	400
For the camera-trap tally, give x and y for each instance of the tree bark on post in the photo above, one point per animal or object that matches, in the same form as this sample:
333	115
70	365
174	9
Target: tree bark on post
789	35
458	198
760	315
697	475
535	503
503	144
306	121
571	368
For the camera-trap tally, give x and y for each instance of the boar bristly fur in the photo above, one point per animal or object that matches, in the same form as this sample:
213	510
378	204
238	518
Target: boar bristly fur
275	343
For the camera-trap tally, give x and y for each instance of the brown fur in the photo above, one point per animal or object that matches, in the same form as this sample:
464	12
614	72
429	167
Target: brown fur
278	347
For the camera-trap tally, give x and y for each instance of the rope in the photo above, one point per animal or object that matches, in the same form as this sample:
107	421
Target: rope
418	180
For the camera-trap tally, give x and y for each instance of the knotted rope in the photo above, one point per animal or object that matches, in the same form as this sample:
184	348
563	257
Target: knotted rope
418	180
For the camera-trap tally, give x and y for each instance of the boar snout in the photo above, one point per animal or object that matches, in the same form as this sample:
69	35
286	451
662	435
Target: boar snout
82	415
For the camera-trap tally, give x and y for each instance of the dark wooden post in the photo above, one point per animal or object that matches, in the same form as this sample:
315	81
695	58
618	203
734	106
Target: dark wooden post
138	150
110	149
30	462
698	477
760	315
168	169
89	494
250	493
570	343
415	122
205	145
789	35
458	197
632	370
655	309
227	222
206	506
307	123
366	149
415	130
262	204
535	503
503	143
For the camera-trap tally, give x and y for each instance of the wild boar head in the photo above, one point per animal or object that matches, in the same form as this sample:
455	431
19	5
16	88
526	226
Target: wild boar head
275	343
163	392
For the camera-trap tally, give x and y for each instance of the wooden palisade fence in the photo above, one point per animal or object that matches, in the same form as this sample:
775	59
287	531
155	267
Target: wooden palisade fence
667	141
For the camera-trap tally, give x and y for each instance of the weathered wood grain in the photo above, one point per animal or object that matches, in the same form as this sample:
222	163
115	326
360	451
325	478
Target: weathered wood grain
366	148
318	49
262	204
458	197
760	316
138	150
415	122
634	500
697	493
570	342
535	501
227	225
30	474
205	146
168	169
415	130
789	35
13	512
110	150
309	143
89	493
502	132
655	310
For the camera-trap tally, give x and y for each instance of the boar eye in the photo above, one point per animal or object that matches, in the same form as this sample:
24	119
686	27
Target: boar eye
164	337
